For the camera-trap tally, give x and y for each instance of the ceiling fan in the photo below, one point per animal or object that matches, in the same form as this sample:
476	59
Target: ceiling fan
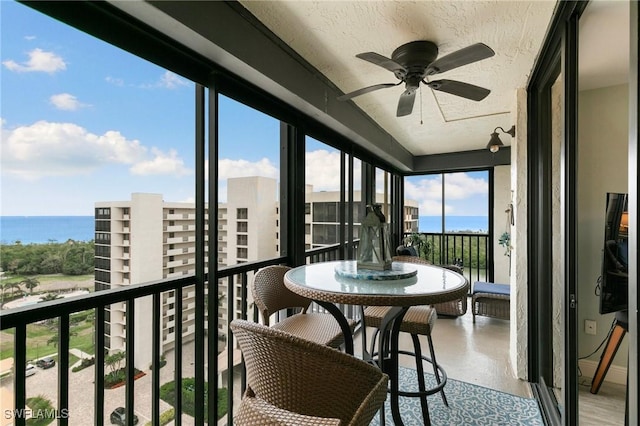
414	62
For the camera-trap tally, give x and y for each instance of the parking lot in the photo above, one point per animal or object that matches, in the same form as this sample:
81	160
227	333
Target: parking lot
81	391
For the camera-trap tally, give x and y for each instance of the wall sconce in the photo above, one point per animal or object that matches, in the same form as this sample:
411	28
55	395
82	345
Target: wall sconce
495	143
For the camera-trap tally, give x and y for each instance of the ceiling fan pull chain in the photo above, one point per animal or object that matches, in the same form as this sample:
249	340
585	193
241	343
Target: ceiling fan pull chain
421	105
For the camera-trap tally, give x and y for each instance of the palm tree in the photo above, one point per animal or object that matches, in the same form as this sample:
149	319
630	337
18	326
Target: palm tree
30	283
114	361
13	285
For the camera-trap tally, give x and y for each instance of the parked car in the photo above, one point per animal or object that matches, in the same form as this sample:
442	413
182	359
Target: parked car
118	417
45	363
30	370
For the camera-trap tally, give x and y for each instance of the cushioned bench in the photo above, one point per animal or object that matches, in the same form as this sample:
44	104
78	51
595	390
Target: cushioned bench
490	300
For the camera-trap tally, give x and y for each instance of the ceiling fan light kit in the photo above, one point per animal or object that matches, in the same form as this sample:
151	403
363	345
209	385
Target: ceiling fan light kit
495	143
412	63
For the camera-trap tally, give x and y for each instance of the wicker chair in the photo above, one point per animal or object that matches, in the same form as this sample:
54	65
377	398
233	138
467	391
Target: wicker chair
419	320
292	381
455	308
270	296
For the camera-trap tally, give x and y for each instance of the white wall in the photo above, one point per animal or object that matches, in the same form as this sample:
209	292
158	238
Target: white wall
146	265
602	168
501	201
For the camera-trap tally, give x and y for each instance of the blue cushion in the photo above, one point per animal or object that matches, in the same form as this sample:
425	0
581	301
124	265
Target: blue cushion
483	287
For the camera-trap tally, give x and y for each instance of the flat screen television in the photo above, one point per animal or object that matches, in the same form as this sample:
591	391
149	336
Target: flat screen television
614	285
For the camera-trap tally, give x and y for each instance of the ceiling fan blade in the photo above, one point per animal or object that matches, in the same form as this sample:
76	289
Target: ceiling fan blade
475	52
458	88
383	61
364	90
405	104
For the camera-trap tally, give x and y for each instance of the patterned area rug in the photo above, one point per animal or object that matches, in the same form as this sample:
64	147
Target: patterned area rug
469	405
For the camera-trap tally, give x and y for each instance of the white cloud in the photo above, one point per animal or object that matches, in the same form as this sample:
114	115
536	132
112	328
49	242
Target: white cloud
168	80
66	149
115	81
461	185
39	61
161	164
322	170
228	168
66	102
458	188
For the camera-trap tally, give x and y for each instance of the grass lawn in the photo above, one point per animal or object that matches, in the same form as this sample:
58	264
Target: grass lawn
60	277
38	336
50	278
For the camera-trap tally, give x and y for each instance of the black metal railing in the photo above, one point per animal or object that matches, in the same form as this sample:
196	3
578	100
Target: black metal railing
234	280
19	318
470	251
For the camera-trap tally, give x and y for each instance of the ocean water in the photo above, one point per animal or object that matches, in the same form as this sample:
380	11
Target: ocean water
478	224
45	229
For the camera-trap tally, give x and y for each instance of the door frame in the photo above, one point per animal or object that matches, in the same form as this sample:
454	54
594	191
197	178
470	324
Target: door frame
559	57
561	46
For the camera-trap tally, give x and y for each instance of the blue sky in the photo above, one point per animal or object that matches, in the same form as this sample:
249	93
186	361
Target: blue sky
83	121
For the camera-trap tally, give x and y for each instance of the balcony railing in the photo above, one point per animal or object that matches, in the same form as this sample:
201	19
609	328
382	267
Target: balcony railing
206	318
467	250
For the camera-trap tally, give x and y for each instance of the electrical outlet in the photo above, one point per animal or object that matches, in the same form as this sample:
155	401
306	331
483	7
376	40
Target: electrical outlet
590	327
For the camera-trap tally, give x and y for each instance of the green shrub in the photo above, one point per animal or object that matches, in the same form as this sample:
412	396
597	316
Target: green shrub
40	404
86	362
167	394
165	418
117	377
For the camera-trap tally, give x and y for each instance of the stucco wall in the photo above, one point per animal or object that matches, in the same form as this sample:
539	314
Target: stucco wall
519	261
557	247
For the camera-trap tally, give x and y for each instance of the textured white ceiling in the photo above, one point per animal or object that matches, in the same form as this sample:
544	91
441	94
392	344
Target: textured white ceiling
329	34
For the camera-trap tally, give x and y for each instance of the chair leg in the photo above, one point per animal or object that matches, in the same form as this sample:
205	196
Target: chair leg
364	332
421	383
435	369
373	342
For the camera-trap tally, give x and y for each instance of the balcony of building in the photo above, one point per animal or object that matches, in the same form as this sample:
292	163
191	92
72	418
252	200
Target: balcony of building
303	102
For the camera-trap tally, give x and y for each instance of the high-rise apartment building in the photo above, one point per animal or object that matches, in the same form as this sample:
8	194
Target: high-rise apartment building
146	239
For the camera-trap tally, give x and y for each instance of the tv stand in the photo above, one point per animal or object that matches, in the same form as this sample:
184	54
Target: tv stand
620	328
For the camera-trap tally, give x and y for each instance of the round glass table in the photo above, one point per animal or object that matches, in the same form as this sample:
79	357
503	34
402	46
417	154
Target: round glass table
340	282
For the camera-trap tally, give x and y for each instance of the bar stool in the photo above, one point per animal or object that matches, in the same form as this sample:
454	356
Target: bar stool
418	321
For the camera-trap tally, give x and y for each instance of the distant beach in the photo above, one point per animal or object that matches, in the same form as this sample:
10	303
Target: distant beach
46	229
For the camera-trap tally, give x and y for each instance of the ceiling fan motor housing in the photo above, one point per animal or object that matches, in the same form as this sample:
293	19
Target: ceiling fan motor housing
415	56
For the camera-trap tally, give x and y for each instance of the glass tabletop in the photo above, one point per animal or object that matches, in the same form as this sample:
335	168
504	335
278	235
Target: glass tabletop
320	281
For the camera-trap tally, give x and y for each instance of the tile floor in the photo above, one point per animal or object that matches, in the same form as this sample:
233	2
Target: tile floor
479	354
474	353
